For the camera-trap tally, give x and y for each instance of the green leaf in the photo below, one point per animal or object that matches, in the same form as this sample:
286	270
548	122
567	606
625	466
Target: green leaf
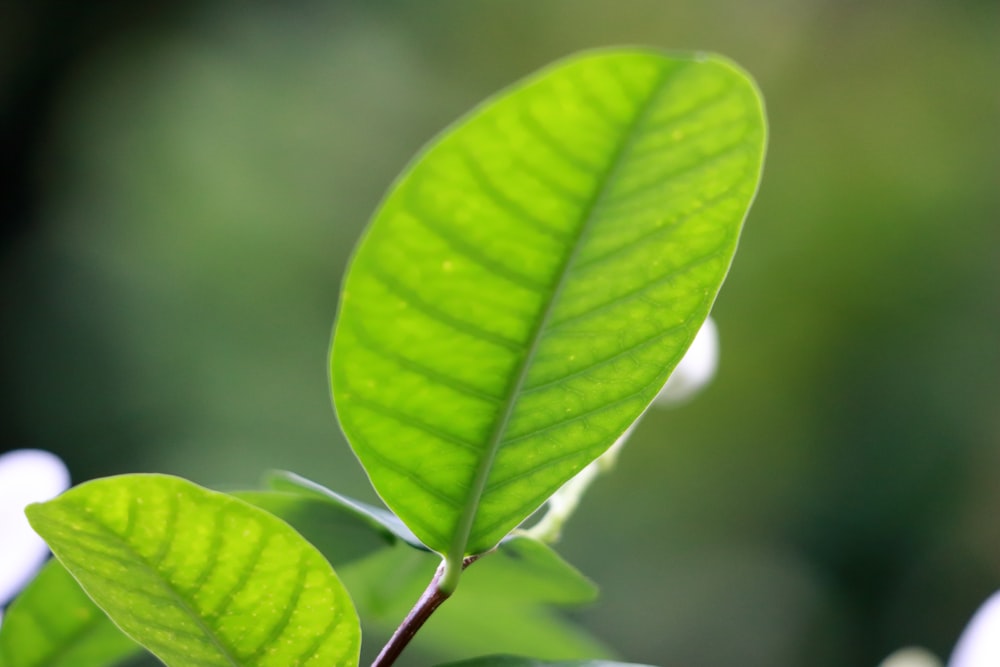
339	534
528	285
53	623
535	566
505	603
198	577
380	519
516	661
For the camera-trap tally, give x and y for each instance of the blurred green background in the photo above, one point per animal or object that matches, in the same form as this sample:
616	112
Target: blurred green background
184	183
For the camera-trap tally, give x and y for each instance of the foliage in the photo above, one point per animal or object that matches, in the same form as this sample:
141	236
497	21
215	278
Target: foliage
199	577
55	624
521	296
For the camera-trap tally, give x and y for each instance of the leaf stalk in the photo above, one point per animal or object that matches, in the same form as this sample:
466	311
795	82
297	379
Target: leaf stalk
432	598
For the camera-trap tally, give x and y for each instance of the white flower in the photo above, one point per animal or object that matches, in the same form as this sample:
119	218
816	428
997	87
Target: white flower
695	369
26	476
979	645
911	657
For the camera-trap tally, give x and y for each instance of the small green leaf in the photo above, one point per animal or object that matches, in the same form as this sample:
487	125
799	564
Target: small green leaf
535	566
198	577
376	517
527	286
53	623
515	661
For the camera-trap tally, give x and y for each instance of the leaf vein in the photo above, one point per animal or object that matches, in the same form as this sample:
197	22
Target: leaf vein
441	316
605	361
414	422
310	649
214	548
472	252
554	187
456	384
288	611
541	465
170	525
624	297
246	571
533	126
480	479
586	414
504	201
653	233
703	163
416	479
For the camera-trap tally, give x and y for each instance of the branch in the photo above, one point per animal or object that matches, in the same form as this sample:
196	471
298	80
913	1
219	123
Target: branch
431	599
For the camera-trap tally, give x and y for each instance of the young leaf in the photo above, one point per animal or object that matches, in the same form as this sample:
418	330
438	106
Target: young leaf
198	577
533	277
53	623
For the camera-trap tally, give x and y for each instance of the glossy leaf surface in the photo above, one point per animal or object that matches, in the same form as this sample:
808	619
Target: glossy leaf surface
198	577
533	277
53	623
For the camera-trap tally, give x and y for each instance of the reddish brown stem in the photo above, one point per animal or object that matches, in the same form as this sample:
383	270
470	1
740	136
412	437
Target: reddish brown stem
422	610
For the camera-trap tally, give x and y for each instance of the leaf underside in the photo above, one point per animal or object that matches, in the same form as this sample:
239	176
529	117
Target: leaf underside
377	518
199	578
528	285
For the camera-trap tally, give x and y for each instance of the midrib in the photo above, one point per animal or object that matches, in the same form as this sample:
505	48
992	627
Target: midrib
456	553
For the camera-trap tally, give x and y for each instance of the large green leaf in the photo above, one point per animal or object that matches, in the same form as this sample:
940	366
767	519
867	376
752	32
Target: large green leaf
53	623
198	577
533	277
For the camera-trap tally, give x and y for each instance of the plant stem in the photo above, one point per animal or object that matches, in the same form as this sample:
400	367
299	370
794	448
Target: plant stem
431	599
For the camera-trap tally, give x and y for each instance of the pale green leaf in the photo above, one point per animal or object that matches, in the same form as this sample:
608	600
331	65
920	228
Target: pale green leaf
53	623
527	286
200	578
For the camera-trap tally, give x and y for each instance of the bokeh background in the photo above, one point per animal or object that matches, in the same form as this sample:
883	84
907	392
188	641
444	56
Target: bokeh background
183	183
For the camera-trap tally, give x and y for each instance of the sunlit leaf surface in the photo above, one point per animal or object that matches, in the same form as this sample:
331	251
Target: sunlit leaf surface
529	283
341	536
198	577
53	623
